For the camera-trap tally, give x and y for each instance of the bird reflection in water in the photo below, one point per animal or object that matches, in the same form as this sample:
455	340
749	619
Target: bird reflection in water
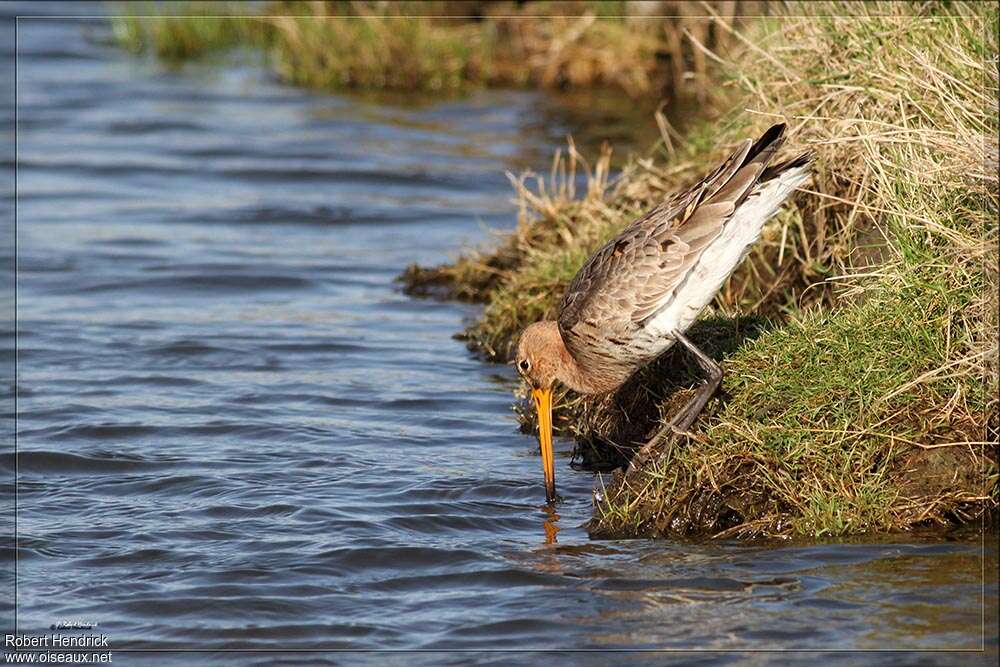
551	524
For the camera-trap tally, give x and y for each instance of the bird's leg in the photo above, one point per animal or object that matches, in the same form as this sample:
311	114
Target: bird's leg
686	415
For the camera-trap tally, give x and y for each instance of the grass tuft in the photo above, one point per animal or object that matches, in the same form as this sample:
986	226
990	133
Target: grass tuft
182	31
442	46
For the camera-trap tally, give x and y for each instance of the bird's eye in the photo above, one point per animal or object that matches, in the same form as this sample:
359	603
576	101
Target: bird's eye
524	365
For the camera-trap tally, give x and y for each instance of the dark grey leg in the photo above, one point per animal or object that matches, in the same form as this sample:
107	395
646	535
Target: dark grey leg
683	420
686	415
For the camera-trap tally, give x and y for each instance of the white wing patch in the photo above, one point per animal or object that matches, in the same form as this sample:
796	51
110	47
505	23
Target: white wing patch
723	255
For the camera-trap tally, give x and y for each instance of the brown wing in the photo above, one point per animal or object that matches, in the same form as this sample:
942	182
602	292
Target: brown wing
629	278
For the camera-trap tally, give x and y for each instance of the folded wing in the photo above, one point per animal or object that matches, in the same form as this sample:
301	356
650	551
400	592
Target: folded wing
629	279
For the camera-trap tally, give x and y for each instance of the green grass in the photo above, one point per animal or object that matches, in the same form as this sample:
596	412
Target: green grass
813	439
391	52
187	30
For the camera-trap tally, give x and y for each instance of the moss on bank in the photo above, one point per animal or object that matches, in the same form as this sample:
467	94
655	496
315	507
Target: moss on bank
868	402
445	46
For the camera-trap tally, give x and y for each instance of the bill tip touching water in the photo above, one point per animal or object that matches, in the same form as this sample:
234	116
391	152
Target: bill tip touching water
637	295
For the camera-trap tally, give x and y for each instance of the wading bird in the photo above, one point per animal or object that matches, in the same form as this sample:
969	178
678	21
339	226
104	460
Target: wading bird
638	294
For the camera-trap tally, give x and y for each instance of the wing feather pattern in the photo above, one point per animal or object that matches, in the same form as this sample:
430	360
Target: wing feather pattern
629	279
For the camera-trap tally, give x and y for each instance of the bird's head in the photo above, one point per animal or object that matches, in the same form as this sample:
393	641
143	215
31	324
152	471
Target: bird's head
540	357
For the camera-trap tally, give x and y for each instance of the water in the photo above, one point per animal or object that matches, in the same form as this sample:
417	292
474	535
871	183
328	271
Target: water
236	432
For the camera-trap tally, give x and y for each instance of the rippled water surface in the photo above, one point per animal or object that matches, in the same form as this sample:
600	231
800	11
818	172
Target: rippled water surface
235	431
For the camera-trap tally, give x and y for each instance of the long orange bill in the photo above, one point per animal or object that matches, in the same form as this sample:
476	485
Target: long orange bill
543	404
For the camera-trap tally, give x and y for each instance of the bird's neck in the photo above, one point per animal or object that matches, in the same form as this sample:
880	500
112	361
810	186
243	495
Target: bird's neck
588	384
573	376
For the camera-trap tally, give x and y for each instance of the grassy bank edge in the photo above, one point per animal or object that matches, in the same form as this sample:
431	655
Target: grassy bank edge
445	47
871	406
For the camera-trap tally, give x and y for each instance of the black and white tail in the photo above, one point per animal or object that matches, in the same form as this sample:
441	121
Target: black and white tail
743	229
